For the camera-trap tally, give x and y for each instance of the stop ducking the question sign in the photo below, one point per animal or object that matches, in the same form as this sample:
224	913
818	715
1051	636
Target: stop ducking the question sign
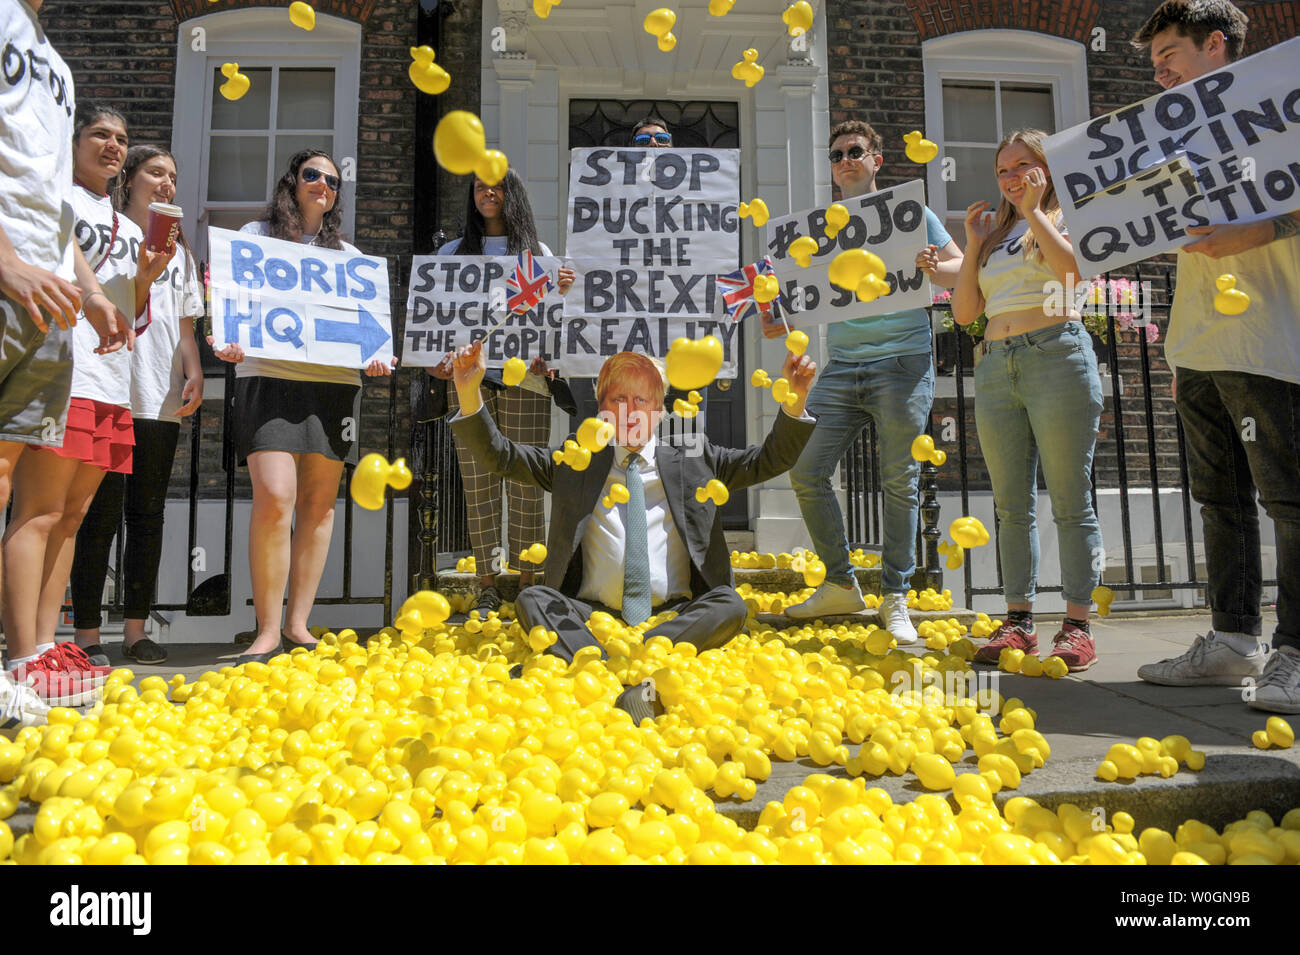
293	302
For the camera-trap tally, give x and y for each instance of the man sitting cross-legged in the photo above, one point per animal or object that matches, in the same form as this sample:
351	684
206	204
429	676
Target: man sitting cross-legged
663	549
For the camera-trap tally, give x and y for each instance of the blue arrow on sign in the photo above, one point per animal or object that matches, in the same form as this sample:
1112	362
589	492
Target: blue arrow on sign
366	333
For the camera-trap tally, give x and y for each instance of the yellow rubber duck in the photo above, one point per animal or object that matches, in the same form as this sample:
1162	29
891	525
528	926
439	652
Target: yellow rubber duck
236	84
373	474
802	250
1230	300
693	364
756	210
919	149
427	75
747	70
798	18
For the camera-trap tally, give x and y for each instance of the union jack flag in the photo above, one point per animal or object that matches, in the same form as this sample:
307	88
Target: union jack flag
737	290
528	285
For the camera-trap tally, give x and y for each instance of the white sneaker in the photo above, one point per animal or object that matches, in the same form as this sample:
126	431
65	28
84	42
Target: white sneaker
893	615
1209	662
1278	690
19	706
829	599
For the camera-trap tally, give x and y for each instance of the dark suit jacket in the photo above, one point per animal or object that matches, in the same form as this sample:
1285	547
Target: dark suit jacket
579	491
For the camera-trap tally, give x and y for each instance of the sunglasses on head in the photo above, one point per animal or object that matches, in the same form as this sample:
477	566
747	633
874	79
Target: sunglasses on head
855	153
643	139
311	174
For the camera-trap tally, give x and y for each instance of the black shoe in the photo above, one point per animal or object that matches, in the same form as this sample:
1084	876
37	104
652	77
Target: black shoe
97	655
489	599
640	702
257	657
287	645
144	650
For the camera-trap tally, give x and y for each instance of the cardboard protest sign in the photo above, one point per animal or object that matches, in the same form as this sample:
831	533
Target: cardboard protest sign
649	231
890	223
295	302
454	300
1237	130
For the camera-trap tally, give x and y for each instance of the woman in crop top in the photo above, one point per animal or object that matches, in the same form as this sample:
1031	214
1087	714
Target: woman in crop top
1038	395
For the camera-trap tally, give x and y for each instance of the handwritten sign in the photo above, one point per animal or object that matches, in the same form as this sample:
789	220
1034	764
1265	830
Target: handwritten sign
1126	196
890	223
295	302
649	231
455	300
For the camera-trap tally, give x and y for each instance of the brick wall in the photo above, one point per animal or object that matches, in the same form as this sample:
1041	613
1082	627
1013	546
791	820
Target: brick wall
125	53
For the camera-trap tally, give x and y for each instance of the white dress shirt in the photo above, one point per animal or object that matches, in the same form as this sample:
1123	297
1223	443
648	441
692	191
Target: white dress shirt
605	539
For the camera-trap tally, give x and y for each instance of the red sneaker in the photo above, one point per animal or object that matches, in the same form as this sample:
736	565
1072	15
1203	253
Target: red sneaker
1013	635
78	661
54	683
1075	647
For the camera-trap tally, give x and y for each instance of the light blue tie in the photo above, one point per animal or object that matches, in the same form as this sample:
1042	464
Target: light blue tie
636	559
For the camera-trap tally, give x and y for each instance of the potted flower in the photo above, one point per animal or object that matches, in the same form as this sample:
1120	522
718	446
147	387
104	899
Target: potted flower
1118	298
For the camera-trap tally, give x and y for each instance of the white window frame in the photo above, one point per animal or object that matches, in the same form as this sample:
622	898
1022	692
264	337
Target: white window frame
1013	56
256	38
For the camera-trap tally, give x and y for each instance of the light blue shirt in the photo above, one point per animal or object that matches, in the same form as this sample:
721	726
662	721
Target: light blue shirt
887	336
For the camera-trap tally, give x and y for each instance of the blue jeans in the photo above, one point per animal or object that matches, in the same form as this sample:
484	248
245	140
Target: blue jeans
896	393
1218	409
1039	395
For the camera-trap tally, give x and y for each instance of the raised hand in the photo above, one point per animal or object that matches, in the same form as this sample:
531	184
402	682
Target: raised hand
1035	182
979	222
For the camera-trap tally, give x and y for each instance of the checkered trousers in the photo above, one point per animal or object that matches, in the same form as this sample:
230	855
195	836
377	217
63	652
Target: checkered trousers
525	418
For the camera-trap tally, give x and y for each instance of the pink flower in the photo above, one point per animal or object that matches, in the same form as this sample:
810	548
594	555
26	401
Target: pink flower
942	296
1153	333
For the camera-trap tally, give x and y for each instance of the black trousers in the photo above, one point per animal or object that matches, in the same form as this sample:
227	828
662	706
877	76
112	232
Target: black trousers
707	621
144	492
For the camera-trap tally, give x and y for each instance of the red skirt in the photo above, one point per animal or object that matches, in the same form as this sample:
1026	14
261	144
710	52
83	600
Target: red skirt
99	434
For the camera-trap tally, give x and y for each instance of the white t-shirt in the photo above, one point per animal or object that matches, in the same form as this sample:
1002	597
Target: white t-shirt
36	107
295	370
157	373
1009	281
1264	339
104	378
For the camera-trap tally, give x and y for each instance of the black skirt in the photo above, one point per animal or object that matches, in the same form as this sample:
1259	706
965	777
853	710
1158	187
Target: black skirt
301	417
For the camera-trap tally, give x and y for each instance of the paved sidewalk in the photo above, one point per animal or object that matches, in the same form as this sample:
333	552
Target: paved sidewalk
1081	716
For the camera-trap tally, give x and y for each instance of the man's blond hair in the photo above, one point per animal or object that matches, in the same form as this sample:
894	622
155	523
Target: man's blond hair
627	363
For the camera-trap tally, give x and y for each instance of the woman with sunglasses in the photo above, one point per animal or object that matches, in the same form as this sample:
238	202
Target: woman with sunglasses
499	221
1039	395
295	426
166	385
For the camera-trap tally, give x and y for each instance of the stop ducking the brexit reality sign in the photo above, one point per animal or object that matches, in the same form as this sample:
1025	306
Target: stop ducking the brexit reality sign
650	231
293	302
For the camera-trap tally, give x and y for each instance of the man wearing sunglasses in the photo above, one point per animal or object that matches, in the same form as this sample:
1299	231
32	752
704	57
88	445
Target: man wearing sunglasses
880	369
652	132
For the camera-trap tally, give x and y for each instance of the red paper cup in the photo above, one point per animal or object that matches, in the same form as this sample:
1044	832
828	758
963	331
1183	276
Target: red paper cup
164	224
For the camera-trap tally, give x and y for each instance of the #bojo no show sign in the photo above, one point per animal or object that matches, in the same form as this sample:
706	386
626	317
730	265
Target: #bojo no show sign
455	300
649	232
295	302
1222	148
889	222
